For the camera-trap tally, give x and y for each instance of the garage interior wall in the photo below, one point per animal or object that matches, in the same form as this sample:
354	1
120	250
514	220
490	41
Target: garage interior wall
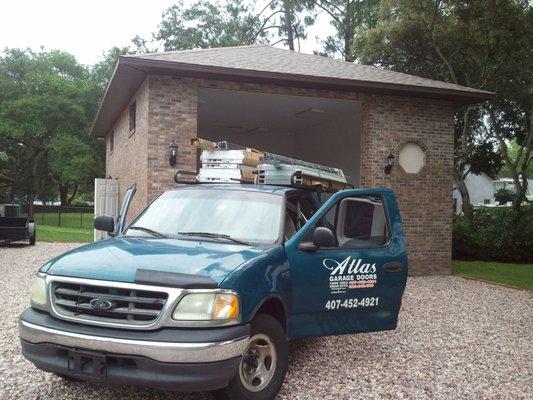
325	131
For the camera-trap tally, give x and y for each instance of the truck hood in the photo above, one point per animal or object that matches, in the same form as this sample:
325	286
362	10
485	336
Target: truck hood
118	259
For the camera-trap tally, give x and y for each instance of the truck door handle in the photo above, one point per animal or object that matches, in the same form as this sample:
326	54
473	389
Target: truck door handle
393	266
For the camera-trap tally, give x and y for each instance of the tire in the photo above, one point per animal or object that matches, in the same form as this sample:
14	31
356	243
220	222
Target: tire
67	378
268	335
33	238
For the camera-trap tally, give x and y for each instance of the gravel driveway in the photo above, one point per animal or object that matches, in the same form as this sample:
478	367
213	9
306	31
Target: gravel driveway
456	339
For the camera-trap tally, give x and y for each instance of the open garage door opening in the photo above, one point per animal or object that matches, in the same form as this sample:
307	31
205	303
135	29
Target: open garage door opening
315	129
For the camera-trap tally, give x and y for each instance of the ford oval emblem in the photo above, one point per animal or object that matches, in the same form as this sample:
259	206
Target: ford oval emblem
101	304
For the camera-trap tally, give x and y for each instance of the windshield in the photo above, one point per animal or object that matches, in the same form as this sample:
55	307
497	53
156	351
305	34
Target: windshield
250	217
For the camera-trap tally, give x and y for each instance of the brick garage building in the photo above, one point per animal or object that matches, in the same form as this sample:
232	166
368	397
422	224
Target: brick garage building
295	104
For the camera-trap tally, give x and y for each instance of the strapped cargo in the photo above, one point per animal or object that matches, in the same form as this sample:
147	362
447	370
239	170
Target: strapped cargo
223	163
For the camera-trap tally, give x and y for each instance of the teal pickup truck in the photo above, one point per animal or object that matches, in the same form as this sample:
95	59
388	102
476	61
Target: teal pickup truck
207	286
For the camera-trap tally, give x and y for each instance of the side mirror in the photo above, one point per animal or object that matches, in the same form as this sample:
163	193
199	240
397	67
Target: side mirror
322	237
104	223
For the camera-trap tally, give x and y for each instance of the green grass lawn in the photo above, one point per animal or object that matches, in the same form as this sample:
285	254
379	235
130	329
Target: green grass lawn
47	233
67	220
520	275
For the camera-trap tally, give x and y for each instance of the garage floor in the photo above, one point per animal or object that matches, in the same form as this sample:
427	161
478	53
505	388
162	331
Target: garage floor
457	339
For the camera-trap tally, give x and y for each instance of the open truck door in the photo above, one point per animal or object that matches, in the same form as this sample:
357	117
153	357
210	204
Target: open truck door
348	266
121	221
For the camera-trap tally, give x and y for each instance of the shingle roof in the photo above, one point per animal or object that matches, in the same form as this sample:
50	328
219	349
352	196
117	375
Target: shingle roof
268	59
267	64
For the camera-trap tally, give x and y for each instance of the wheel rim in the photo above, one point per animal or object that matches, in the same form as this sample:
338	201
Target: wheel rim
258	363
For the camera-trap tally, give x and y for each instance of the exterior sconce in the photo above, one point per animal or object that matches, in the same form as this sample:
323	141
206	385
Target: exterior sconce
390	163
172	153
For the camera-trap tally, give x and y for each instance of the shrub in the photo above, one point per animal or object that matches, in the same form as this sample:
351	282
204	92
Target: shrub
498	234
504	196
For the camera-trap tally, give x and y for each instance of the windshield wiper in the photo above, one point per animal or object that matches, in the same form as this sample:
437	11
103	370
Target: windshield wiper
148	230
214	236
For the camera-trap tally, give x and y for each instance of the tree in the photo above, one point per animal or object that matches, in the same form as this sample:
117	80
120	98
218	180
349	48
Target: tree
507	130
515	156
101	72
466	43
46	108
347	17
207	24
289	18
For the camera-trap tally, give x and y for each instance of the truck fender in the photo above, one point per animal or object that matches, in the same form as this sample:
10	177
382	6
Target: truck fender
273	298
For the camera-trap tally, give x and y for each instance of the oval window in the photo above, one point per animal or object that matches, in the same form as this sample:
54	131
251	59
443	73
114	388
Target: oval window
412	158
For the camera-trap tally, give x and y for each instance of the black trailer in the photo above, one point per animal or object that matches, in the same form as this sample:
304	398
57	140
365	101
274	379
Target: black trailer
15	229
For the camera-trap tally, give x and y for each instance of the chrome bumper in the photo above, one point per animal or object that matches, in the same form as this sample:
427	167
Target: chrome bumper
160	351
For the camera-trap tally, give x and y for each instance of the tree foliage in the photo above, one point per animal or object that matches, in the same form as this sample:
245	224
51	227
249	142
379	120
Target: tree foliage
46	106
348	17
206	24
484	44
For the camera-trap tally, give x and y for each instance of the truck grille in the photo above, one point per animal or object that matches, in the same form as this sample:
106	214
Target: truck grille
126	306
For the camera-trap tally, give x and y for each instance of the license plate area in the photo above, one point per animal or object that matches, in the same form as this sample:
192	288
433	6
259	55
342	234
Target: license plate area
87	364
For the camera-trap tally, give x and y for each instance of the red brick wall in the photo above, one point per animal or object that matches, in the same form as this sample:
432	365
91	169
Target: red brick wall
173	106
128	161
387	123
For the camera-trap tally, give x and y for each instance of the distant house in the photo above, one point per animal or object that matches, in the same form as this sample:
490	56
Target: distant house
482	188
508	183
479	188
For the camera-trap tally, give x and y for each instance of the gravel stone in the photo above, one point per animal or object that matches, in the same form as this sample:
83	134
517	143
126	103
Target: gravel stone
456	339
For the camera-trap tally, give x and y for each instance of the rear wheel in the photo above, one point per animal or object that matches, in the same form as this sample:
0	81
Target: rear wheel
66	377
33	238
263	364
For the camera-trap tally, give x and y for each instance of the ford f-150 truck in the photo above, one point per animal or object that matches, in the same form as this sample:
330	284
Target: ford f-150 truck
207	286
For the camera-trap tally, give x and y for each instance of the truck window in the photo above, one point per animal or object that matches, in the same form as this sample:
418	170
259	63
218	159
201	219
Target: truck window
356	222
249	216
299	209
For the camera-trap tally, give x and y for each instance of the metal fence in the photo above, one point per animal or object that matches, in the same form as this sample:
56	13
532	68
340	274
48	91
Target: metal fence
64	216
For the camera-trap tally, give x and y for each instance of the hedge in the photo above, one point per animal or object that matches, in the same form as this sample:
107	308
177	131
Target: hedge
497	234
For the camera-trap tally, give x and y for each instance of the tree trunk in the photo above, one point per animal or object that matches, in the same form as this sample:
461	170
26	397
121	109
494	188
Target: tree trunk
517	171
349	33
521	190
347	48
30	207
74	192
468	210
287	10
63	194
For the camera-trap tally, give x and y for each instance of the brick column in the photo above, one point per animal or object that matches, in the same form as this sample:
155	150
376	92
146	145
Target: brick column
172	116
425	197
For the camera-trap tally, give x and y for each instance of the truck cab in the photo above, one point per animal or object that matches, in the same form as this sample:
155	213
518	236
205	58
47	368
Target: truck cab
207	286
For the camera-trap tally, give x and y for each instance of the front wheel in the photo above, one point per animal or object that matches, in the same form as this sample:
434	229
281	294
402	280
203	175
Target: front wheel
263	364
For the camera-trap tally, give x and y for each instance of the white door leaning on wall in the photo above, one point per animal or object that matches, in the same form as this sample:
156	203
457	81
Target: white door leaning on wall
105	201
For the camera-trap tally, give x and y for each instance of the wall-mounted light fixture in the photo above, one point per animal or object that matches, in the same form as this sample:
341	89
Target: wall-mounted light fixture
390	163
172	153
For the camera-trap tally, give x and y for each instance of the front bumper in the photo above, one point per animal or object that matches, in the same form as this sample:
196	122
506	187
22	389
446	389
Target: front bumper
174	359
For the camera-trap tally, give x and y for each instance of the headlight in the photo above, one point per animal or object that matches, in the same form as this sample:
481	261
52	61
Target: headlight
207	307
38	292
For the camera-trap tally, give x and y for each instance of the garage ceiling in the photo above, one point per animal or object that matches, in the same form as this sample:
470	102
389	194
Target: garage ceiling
226	111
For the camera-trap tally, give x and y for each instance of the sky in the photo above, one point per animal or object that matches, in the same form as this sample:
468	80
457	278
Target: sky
88	28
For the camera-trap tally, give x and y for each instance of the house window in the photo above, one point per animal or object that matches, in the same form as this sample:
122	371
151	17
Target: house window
412	158
133	117
111	141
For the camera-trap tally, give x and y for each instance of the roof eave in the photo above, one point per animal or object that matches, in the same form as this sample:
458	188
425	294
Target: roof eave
121	87
319	81
126	81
